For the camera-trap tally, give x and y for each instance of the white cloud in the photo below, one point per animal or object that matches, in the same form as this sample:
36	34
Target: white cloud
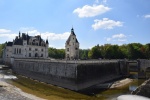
117	37
8	35
49	35
91	11
54	36
56	40
147	16
106	23
108	39
4	31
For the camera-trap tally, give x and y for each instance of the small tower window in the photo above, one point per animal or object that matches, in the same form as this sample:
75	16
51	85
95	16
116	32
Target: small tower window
67	49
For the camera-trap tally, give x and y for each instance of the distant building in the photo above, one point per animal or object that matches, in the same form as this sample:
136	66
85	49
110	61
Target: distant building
72	47
25	46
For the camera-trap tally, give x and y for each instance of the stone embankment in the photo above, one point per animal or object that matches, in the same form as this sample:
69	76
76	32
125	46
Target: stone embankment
144	89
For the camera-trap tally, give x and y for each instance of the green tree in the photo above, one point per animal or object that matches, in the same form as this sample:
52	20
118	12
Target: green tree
56	53
95	53
1	49
83	53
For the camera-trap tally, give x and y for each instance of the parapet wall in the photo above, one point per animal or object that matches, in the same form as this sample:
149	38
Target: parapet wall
74	75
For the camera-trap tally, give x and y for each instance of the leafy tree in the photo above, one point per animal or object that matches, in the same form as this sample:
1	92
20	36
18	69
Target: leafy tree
83	53
56	53
147	51
1	49
95	53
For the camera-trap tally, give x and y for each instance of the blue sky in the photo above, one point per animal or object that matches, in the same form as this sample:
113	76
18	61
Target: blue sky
94	21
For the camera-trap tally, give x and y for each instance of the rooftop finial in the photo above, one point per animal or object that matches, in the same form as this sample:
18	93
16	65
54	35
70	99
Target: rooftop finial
19	33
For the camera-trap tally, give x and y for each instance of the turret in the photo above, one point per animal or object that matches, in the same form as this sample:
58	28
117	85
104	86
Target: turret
72	46
19	34
46	41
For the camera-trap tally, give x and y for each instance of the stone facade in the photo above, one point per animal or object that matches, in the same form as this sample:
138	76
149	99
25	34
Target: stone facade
25	46
72	74
72	47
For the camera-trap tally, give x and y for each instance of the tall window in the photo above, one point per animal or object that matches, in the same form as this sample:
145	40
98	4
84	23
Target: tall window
29	54
36	49
29	49
41	55
15	51
67	49
19	51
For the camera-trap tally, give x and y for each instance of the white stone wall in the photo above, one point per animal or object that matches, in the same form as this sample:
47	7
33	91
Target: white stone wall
72	49
7	54
30	51
23	51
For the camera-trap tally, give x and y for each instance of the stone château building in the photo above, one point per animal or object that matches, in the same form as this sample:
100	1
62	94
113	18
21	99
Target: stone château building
25	46
72	47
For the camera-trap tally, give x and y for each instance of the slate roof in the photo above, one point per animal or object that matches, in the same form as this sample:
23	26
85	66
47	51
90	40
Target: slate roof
9	43
72	33
19	39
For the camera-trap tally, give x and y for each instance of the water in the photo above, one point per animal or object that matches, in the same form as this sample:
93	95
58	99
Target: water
53	92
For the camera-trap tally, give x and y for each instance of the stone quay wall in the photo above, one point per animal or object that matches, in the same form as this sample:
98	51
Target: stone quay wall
74	75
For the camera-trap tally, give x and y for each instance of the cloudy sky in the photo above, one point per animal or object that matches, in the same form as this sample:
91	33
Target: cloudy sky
94	21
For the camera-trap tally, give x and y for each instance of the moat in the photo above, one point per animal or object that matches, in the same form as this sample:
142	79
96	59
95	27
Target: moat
49	92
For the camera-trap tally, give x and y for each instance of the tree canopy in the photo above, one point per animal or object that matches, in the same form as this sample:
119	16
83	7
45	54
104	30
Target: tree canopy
106	51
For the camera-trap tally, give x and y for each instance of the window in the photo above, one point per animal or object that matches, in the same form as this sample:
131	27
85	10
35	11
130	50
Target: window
29	54
41	55
29	49
41	49
15	51
67	49
76	48
36	49
19	51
